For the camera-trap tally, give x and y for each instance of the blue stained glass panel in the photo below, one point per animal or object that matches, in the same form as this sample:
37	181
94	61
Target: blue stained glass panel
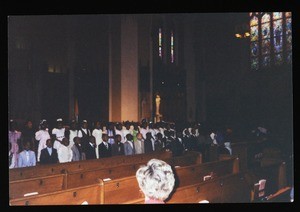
265	30
266	61
277	44
277	27
266	46
288	25
254	49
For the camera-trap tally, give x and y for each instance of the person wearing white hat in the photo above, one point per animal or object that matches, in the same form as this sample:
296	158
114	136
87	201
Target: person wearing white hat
59	133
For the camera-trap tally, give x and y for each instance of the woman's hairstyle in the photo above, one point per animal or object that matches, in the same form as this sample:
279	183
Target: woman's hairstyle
156	179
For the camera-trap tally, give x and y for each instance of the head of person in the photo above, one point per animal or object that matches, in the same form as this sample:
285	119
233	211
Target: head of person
156	179
129	137
27	145
43	124
159	136
104	137
118	138
77	140
98	125
65	141
73	125
148	135
49	143
84	124
139	136
28	124
59	123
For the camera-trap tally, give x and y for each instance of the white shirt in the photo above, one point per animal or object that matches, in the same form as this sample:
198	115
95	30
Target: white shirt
41	136
60	134
97	133
73	134
64	154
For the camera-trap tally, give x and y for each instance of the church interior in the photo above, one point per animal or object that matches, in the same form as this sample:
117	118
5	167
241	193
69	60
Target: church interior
217	69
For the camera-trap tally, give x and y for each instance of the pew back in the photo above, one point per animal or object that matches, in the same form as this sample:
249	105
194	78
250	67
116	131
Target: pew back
76	196
41	185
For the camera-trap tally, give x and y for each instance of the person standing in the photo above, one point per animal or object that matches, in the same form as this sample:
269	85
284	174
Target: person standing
14	137
49	154
27	157
97	133
104	148
64	153
59	133
42	135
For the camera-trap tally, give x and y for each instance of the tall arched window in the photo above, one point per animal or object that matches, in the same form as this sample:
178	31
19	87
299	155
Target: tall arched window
270	39
172	46
160	42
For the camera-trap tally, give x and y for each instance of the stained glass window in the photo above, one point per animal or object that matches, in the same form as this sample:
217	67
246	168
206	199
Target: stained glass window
172	47
160	42
270	39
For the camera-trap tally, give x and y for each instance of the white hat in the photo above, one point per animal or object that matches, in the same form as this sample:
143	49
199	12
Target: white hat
60	119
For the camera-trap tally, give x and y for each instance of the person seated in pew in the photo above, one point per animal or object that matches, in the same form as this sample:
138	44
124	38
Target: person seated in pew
27	157
49	154
156	180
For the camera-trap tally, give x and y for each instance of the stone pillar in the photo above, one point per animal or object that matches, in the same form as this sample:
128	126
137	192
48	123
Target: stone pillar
129	68
189	65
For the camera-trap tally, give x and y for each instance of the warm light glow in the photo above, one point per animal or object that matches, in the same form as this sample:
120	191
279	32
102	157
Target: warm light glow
247	34
238	35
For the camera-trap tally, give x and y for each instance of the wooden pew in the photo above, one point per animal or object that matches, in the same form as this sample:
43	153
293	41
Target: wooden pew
125	190
52	169
87	177
275	176
225	189
76	196
197	172
41	185
282	195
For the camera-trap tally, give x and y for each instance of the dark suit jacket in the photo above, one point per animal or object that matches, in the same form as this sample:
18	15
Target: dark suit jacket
103	151
90	152
115	149
45	158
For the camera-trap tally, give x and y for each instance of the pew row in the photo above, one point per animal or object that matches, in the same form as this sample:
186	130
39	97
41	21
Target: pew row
51	169
125	190
88	177
73	179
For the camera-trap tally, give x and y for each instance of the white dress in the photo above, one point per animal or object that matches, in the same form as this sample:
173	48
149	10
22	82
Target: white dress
42	136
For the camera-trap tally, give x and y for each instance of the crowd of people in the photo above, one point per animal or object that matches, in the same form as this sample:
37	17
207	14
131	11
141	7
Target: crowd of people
66	142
